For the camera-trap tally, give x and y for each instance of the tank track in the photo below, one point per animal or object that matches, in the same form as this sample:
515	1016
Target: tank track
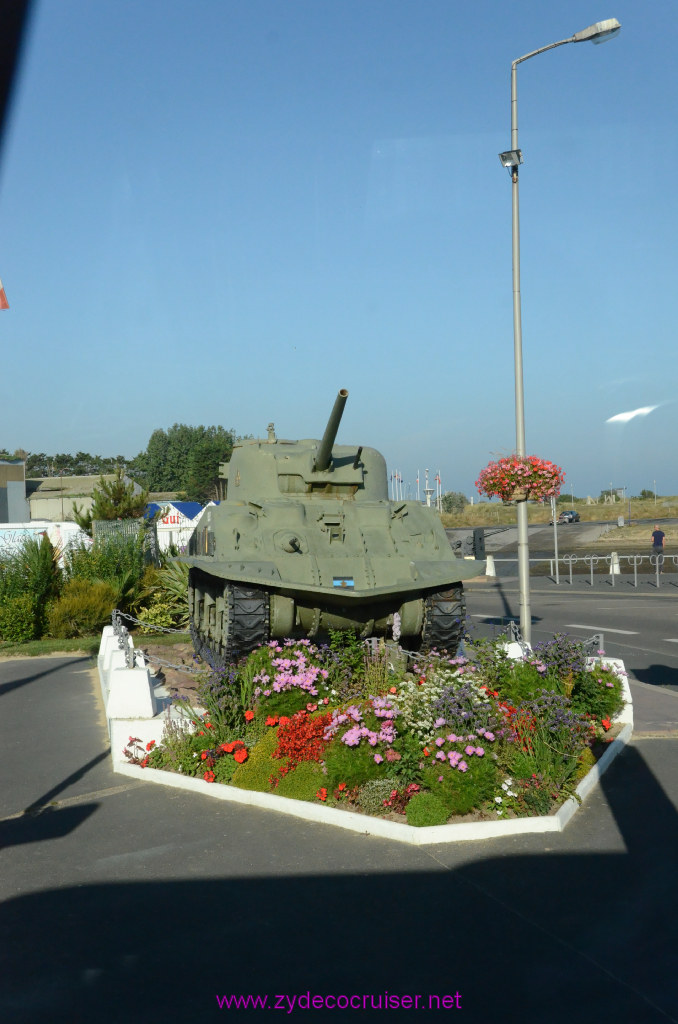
247	626
444	620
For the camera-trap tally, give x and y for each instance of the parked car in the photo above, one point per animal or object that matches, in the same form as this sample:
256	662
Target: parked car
568	517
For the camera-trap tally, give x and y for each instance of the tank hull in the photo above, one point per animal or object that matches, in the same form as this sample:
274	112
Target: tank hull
308	541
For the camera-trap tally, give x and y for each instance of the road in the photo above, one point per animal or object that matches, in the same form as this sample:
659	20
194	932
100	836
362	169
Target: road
641	628
541	536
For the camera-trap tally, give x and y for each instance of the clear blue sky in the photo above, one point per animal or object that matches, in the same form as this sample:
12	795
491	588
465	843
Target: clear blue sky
222	211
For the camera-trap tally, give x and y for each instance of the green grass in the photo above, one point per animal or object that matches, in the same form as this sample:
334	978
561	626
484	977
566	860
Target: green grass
38	648
84	645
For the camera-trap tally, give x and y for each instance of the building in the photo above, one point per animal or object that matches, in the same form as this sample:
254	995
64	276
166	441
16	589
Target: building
53	497
177	521
13	505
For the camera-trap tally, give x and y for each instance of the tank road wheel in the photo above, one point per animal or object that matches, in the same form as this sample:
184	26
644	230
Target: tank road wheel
444	613
227	620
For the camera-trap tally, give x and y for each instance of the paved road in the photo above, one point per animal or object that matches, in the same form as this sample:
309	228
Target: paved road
125	901
640	626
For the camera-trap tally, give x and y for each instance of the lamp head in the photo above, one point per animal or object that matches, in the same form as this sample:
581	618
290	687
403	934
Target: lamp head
511	158
598	33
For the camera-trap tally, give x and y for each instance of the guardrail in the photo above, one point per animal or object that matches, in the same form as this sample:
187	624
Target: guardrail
614	560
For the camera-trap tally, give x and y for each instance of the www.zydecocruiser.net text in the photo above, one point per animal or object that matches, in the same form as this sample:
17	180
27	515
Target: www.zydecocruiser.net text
332	1001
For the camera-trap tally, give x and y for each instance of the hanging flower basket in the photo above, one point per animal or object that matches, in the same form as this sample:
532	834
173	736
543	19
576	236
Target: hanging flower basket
517	478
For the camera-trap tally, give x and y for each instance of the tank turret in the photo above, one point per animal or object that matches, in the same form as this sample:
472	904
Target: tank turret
307	540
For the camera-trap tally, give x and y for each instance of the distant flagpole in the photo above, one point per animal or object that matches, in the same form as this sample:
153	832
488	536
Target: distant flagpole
4	304
418	485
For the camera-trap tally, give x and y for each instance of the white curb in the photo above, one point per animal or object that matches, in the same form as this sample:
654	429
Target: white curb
367	825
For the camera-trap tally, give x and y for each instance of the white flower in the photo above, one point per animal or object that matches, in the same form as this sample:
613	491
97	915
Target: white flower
497	800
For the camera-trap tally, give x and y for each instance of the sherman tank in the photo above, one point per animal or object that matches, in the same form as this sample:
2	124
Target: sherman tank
307	540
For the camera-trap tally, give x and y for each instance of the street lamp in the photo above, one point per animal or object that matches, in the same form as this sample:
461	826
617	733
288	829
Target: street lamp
511	159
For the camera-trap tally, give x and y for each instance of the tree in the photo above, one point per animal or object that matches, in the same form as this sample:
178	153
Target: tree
185	458
645	495
454	501
112	499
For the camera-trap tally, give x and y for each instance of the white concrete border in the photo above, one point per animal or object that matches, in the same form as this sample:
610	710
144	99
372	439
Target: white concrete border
367	825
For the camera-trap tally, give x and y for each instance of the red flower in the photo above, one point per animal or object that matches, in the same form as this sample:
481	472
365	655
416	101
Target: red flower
341	786
606	724
322	794
427	752
240	755
209	776
144	763
208	725
201	733
284	720
393	689
249	715
272	720
203	755
149	746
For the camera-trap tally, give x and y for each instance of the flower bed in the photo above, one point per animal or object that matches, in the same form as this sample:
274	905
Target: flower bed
482	740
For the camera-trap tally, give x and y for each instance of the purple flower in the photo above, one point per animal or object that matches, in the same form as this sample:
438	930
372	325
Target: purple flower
462	766
469	750
480	751
378	758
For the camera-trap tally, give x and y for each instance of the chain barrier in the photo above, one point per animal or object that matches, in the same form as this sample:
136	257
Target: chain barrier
136	658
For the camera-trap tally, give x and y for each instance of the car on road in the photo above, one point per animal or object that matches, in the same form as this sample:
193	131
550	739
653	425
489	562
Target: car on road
568	517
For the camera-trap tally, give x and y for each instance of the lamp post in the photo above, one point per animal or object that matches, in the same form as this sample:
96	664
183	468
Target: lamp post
512	159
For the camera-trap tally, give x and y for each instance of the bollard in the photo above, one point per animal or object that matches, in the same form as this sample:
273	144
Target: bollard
614	564
490	569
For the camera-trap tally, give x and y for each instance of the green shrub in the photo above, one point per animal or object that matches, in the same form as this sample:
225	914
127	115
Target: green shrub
426	809
522	683
18	619
83	608
119	561
158	613
462	791
303	782
352	765
372	794
255	772
224	769
592	695
586	763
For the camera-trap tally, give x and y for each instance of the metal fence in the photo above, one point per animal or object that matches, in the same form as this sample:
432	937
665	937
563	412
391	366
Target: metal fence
122	530
612	565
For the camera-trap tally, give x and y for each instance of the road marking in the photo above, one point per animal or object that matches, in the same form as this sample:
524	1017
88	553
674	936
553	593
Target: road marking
509	618
670	640
602	629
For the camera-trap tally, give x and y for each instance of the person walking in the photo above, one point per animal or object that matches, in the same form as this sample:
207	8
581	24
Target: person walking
658	546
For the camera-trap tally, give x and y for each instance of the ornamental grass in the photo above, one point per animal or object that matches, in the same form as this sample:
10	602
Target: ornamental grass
477	734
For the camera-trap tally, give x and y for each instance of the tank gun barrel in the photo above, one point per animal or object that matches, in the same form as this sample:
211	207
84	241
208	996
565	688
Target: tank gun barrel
324	456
